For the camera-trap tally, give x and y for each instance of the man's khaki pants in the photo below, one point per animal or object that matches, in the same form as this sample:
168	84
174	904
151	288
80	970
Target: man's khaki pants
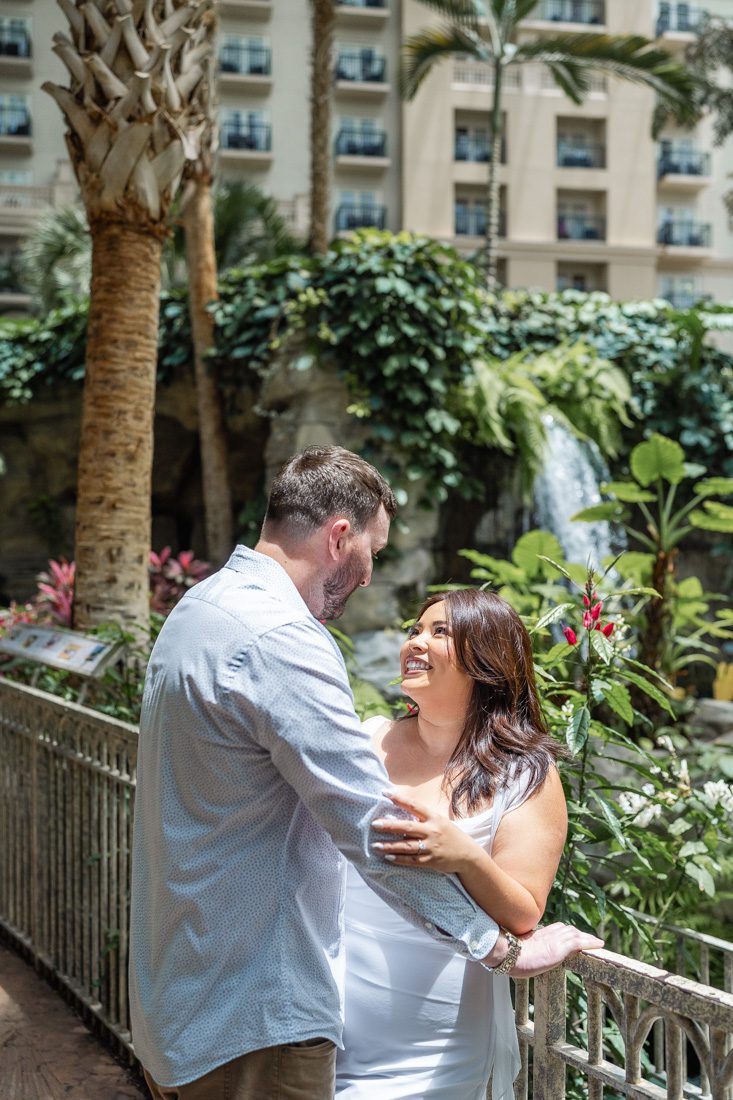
296	1071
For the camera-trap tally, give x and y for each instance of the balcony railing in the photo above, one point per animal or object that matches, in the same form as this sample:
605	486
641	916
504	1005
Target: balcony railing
685	234
24	197
15	121
682	162
580	156
15	44
365	68
679	17
359	143
478	149
351	215
581	227
470	221
245	60
573	11
257	137
67	784
681	299
362	3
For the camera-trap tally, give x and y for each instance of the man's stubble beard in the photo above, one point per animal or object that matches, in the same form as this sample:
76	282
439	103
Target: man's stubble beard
337	589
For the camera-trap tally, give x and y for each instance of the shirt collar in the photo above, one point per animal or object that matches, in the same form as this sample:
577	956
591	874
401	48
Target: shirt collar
268	572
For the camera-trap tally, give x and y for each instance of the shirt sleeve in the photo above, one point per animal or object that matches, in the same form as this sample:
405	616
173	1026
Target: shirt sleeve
311	731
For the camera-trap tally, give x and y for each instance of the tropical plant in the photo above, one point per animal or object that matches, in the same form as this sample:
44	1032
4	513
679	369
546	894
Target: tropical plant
171	577
249	228
56	258
488	30
56	591
134	115
658	471
323	20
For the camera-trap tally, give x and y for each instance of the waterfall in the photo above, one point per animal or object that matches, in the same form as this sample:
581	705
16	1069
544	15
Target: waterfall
570	481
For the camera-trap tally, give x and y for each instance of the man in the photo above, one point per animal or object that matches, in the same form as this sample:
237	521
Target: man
254	778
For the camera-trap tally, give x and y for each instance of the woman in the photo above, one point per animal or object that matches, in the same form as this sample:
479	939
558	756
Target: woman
477	770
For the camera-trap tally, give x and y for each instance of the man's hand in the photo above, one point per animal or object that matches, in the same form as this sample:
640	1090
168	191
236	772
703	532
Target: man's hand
546	948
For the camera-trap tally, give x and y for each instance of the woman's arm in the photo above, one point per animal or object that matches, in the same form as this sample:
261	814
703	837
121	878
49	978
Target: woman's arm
512	883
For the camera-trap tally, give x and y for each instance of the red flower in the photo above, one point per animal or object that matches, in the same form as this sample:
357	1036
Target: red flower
570	636
608	629
596	611
586	600
587	620
598	626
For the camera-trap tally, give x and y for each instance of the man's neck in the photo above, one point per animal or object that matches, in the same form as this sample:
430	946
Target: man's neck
300	570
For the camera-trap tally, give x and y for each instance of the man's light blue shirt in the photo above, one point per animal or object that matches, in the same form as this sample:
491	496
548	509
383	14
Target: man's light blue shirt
254	781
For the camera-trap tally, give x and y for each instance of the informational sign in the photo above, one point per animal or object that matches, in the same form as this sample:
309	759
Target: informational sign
79	653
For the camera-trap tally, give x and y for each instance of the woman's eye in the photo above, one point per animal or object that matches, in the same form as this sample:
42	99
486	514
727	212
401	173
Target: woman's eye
441	630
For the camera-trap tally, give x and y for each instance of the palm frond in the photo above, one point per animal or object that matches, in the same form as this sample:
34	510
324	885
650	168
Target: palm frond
248	227
426	48
571	79
458	11
631	57
56	259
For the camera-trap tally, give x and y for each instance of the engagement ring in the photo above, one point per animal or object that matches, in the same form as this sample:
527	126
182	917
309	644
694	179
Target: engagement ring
421	845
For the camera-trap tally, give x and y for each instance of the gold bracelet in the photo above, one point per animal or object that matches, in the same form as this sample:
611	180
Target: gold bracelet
509	960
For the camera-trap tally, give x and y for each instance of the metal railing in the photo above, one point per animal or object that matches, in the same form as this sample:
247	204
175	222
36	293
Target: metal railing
361	67
470	221
688	234
573	11
470	147
361	3
469	70
253	136
361	143
679	17
351	215
14	43
246	60
581	227
587	155
674	161
67	777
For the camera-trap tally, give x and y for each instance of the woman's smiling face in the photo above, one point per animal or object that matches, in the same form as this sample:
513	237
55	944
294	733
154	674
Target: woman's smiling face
428	661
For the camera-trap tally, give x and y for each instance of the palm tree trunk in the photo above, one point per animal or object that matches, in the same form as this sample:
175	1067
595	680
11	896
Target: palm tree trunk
320	120
198	220
116	449
488	260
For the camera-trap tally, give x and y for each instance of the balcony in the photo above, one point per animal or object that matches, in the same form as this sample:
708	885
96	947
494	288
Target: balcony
361	149
585	155
15	52
246	66
684	234
471	147
681	19
350	215
21	205
572	12
361	72
362	13
581	227
15	129
470	221
246	141
250	9
681	299
682	167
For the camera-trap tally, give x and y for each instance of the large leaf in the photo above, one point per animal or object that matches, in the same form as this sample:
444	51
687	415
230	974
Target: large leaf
627	491
531	547
658	458
619	700
608	510
715	487
610	816
578	728
553	615
716	517
601	645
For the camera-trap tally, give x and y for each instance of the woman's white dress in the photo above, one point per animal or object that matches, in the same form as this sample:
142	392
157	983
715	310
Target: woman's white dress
421	1021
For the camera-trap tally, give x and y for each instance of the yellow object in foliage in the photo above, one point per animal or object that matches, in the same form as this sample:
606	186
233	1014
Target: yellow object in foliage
723	683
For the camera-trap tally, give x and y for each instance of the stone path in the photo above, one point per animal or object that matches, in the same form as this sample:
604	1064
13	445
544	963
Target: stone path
46	1052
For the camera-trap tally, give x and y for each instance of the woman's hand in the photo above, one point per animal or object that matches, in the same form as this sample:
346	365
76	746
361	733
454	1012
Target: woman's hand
432	841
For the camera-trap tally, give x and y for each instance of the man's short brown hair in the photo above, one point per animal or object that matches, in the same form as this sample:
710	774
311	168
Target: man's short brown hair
327	481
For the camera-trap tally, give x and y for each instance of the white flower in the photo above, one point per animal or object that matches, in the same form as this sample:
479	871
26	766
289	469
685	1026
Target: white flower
718	794
637	806
665	742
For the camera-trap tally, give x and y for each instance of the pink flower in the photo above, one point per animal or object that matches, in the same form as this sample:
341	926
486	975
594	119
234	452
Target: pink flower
570	636
595	611
587	620
607	629
586	600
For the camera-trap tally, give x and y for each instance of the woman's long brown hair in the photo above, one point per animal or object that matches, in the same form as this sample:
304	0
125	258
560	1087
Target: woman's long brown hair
505	730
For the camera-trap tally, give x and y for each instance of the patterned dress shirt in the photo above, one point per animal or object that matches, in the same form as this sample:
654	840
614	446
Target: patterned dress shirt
255	780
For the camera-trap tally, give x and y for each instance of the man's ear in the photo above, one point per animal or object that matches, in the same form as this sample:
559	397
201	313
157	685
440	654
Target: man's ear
338	531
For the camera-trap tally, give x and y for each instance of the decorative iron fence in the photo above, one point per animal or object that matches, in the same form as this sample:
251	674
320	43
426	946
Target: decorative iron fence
67	777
